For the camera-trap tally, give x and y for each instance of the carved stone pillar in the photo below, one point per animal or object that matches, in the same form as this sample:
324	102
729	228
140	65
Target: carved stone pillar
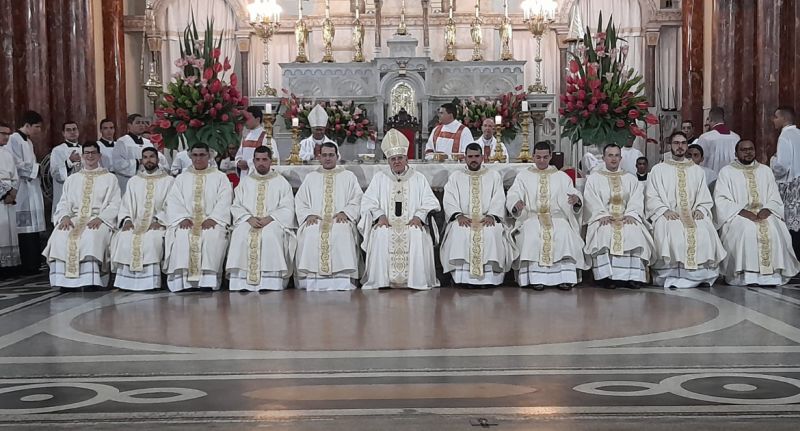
563	59
378	43
243	43
650	67
692	52
768	42
114	62
426	39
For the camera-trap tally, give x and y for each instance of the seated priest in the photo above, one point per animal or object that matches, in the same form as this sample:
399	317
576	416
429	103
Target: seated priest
749	215
678	204
546	206
617	239
448	138
138	248
394	209
198	215
85	216
261	256
475	249
311	146
327	206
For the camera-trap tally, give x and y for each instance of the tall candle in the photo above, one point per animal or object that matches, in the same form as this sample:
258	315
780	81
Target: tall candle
358	8
498	120
300	9
268	108
477	7
505	8
295	122
327	9
451	8
524	106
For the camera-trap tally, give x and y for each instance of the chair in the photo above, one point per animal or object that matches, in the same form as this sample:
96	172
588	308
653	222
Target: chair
407	125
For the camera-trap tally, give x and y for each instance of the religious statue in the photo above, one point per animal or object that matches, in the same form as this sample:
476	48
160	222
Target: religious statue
505	39
358	40
328	31
450	38
301	38
476	34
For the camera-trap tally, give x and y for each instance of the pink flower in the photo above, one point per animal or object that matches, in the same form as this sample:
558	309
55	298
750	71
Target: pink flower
585	114
215	53
215	87
218	106
156	138
194	122
181	127
651	119
581	94
169	98
217	67
164	124
227	64
573	120
224	117
573	66
633	114
642	105
234	80
603	108
591	107
212	112
208	73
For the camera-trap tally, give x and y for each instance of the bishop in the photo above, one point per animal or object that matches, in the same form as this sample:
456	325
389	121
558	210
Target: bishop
311	146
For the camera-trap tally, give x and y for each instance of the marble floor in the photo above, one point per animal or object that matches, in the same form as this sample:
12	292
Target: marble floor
447	359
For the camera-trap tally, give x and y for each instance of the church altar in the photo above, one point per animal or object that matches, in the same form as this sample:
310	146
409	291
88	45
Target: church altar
437	173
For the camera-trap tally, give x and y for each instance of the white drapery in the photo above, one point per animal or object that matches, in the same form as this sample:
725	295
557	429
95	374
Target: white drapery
627	16
668	68
178	13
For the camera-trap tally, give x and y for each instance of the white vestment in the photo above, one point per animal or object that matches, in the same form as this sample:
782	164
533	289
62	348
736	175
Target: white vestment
328	253
182	162
492	144
443	139
30	199
262	259
79	257
688	251
618	251
548	244
629	157
127	156
136	254
758	252
61	167
9	248
785	163
398	255
592	159
476	255
248	146
308	144
719	149
193	257
107	154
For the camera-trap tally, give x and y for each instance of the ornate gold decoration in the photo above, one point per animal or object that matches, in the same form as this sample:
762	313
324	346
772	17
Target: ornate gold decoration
198	217
617	206
254	237
545	217
538	17
85	211
476	33
301	36
265	18
506	54
142	225
294	156
328	32
754	206
499	154
398	249
329	183
450	37
476	250
525	149
358	40
401	27
687	217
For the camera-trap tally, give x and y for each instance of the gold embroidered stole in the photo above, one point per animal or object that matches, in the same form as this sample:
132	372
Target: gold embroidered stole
329	190
544	214
84	214
764	245
476	249
398	248
198	217
685	212
617	210
142	225
254	237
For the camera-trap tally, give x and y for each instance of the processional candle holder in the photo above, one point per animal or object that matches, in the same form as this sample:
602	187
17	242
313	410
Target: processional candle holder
294	156
499	155
524	150
450	37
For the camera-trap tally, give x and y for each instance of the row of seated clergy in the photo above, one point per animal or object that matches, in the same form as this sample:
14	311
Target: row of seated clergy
544	246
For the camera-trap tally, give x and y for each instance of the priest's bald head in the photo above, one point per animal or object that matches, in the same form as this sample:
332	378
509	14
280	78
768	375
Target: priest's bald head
200	155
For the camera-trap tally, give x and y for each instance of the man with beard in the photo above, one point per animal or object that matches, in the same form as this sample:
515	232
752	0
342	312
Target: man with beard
85	218
108	132
394	208
327	205
138	248
263	240
127	153
547	210
65	159
475	248
617	239
198	215
748	211
677	202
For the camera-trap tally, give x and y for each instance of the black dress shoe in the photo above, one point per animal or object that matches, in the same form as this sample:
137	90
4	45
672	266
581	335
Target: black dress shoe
564	286
636	285
538	287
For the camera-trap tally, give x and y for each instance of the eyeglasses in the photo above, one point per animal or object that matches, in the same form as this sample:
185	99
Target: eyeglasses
90	153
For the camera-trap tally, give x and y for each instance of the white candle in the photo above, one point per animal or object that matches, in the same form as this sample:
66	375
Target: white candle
498	120
451	8
358	8
505	8
295	122
300	9
477	7
327	9
268	108
524	106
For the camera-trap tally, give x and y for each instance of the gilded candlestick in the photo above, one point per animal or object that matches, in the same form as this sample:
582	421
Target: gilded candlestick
294	156
525	150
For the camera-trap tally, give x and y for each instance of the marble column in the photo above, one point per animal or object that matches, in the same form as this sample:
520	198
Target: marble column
650	68
114	62
768	44
426	38
692	52
243	43
378	43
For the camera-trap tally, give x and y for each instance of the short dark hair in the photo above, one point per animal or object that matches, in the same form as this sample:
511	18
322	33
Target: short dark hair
676	133
688	121
736	148
698	148
542	145
132	118
67	123
31	117
716	113
256	112
200	146
787	112
4	124
106	120
328	144
149	149
450	108
88	144
263	149
642	159
609	146
474	146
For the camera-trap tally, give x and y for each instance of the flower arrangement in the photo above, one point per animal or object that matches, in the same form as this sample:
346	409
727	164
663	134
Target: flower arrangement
199	104
603	98
471	112
346	120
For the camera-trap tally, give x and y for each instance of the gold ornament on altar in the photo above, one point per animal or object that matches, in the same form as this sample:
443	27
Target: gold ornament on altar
525	149
499	155
538	14
294	156
265	16
358	37
301	35
476	34
505	35
450	37
401	27
268	122
328	31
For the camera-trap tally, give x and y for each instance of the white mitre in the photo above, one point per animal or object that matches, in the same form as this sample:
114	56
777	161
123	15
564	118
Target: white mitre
394	143
318	117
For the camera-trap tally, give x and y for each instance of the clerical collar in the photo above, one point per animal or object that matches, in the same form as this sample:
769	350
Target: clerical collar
207	170
138	139
477	173
71	144
403	175
641	177
550	169
21	133
107	144
739	165
684	162
158	172
99	170
335	170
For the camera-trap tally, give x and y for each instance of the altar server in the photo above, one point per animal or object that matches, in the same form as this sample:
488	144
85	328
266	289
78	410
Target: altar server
450	136
65	159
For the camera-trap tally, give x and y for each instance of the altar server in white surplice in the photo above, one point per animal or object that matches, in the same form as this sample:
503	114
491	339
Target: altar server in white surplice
749	214
547	210
475	248
198	215
107	141
719	142
328	204
617	239
127	154
86	216
138	248
312	145
394	211
254	136
65	160
9	184
450	136
263	242
678	204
